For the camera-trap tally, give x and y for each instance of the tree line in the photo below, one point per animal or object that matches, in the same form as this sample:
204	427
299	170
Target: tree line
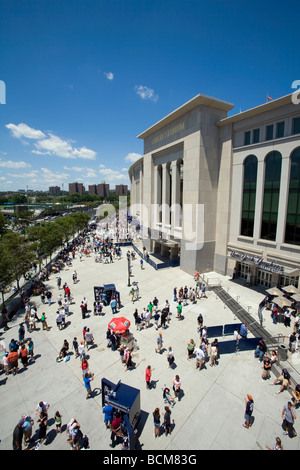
18	251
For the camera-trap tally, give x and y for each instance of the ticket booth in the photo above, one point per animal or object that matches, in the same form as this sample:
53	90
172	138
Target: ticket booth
110	291
126	400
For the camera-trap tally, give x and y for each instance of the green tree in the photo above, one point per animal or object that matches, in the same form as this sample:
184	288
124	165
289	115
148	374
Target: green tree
19	254
4	224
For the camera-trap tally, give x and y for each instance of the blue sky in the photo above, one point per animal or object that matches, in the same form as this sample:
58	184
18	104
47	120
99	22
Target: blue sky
84	78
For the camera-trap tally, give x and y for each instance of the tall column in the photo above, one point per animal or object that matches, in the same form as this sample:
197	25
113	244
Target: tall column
165	195
157	196
283	199
175	203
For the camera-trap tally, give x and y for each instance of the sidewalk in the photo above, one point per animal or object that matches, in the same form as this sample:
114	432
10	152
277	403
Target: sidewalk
210	412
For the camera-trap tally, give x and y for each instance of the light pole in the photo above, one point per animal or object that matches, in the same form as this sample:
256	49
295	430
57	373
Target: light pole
128	266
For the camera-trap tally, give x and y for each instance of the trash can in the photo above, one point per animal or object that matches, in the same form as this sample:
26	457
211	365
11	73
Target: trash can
283	352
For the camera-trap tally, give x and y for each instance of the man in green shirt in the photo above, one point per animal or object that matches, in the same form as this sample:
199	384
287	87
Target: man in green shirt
179	311
150	308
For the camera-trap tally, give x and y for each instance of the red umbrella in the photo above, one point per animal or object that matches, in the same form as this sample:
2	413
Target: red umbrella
119	325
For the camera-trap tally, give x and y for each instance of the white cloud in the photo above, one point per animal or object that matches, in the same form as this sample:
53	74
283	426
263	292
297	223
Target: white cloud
85	153
113	176
50	144
50	177
86	172
54	145
146	93
109	76
22	130
11	164
133	157
31	174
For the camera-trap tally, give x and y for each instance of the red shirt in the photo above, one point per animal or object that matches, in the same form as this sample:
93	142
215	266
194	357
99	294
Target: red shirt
116	423
148	375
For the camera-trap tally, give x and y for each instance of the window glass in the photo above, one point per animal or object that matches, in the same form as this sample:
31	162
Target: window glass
271	195
247	138
269	132
255	136
280	130
296	126
249	196
292	228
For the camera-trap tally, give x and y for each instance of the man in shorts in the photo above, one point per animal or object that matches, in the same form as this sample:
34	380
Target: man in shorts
200	358
284	379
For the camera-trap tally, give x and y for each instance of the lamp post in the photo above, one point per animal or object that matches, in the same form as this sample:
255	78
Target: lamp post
128	265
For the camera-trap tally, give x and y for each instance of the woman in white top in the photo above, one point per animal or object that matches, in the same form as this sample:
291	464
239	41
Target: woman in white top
176	386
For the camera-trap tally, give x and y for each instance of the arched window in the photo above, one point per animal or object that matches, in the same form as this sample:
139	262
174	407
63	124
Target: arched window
271	195
292	228
249	195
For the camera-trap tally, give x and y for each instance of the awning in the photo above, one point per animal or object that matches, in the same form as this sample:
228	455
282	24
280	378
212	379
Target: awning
291	290
282	302
274	291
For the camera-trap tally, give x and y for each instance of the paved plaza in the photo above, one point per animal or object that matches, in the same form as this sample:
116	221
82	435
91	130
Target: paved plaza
210	413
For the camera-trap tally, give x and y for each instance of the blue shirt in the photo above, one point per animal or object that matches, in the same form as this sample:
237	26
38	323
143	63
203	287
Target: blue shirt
87	382
243	331
108	412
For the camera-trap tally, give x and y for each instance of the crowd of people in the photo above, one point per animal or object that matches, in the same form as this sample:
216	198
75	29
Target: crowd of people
160	314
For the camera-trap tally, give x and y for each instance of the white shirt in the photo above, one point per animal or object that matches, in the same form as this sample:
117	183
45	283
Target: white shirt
199	353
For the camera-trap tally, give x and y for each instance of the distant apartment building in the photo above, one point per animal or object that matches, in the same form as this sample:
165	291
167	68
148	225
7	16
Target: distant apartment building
103	189
76	188
93	189
121	189
54	190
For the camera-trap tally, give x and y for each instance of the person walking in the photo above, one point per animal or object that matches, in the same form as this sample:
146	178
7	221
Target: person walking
23	354
58	421
18	436
75	347
179	310
190	349
30	346
84	367
177	386
49	297
113	304
148	375
128	359
27	428
43	420
44	322
170	357
289	415
89	376
167	420
156	420
248	412
159	342
213	354
200	357
21	332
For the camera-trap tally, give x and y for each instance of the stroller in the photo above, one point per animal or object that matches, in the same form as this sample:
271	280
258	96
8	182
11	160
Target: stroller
168	399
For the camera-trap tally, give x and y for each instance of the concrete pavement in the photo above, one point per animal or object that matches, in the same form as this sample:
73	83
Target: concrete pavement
210	412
